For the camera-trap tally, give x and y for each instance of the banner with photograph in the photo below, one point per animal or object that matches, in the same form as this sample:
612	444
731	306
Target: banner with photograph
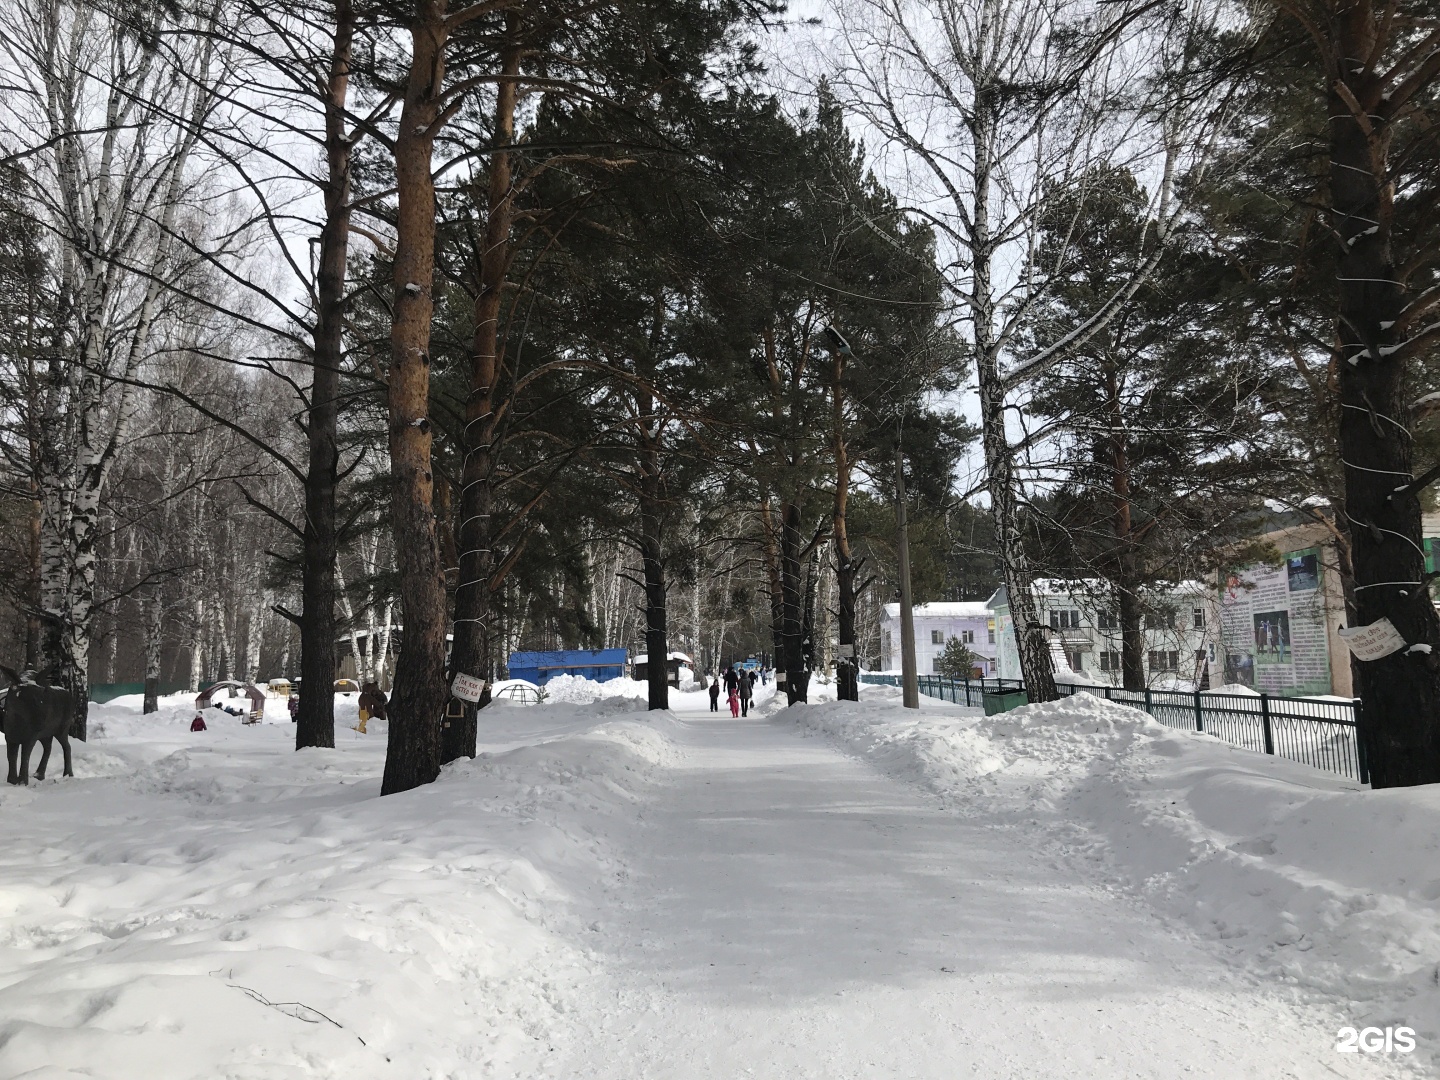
1272	624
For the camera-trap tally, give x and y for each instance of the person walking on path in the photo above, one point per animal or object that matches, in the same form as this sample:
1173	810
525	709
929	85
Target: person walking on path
732	681
715	696
747	690
734	703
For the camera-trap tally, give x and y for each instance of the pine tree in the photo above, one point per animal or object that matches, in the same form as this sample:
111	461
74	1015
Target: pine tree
1162	423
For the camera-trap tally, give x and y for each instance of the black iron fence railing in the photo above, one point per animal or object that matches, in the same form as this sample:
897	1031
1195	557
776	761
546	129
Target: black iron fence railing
1320	732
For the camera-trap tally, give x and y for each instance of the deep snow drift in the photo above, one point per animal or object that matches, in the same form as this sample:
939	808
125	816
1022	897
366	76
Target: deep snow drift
1311	879
606	892
215	904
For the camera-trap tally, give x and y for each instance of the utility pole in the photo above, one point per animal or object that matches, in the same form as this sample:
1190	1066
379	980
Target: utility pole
910	679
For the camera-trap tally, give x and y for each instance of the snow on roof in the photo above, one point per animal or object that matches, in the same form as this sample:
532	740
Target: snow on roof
945	609
1087	587
644	658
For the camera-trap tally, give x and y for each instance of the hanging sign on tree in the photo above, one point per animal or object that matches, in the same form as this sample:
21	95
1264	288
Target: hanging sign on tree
1373	641
467	687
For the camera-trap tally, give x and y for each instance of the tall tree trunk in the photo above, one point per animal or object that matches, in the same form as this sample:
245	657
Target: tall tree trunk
1031	639
382	663
847	683
34	626
775	583
1127	571
154	627
652	558
197	639
474	611
1401	691
657	641
412	755
56	484
315	717
792	599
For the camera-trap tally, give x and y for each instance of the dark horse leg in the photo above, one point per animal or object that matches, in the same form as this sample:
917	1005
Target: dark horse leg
25	749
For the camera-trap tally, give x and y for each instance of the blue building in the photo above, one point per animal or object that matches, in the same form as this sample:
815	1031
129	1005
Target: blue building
540	667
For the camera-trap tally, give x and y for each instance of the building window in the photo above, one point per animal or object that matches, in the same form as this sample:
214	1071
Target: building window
1163	660
1106	620
937	637
967	637
935	664
885	643
991	633
1197	618
1109	661
1075	659
1164	619
1065	620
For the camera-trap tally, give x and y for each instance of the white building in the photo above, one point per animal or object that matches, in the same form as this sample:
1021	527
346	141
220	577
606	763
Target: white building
972	621
1180	626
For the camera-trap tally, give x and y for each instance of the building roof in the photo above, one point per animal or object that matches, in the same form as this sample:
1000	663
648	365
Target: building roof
1095	587
567	658
945	609
643	658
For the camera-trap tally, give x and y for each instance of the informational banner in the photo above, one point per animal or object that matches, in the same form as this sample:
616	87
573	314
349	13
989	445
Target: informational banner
1272	624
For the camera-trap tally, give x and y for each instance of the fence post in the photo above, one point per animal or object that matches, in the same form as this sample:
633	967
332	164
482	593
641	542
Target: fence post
1148	710
1108	695
1362	760
1199	715
1265	717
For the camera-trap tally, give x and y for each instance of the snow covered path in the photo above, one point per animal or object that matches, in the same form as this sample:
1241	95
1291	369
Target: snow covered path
827	892
791	912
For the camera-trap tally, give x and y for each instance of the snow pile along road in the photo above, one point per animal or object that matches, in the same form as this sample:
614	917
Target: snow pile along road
215	904
1306	877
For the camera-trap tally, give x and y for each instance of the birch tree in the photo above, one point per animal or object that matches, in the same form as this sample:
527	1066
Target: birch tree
993	108
108	178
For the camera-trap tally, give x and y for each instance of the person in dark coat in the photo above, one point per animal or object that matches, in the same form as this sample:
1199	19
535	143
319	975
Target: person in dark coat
715	695
198	724
732	681
747	689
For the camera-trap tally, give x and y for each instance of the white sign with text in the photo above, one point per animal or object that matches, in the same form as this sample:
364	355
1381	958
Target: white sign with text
1373	641
467	687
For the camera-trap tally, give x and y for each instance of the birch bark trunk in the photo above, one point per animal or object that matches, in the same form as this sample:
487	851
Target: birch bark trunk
154	627
1002	482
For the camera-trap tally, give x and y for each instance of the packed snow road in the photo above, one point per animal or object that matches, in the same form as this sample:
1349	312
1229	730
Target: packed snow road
794	913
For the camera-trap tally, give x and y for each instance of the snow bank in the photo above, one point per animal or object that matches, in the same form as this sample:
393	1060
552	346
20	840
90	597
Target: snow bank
578	690
1309	878
215	904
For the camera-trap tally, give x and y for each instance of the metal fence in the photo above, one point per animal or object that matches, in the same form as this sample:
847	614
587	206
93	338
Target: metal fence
1318	732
